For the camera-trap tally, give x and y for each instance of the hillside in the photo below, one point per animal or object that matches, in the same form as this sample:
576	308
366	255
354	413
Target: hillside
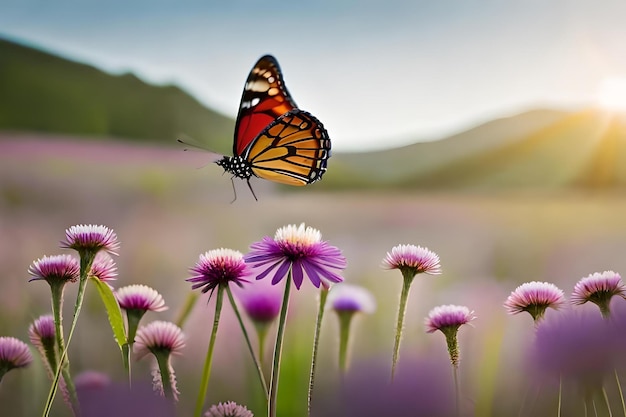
46	93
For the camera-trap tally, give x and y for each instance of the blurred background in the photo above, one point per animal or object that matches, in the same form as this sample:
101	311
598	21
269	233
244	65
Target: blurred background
492	133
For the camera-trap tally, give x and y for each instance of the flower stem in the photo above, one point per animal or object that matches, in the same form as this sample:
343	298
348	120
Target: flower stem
163	360
558	410
457	407
184	313
621	394
316	342
206	371
345	318
278	348
257	364
406	286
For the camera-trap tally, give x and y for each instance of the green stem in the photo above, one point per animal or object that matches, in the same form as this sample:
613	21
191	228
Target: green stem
345	318
278	348
457	395
261	331
316	342
406	286
185	312
206	371
133	317
163	360
250	349
606	402
558	410
621	394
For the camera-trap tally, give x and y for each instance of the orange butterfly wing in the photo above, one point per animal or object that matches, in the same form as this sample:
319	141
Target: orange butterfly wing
293	149
264	99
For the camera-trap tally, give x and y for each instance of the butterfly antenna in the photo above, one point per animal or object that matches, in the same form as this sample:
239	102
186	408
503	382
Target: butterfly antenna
251	190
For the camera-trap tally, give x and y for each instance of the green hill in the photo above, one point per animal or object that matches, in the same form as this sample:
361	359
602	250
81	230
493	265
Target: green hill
46	93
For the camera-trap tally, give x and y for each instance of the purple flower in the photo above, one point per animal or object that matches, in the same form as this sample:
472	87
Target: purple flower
228	409
91	239
598	288
260	300
92	380
534	297
412	260
351	298
219	267
103	268
448	317
13	354
159	336
140	297
41	332
301	250
55	269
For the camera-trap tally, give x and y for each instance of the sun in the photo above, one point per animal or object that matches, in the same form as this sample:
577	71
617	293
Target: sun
612	94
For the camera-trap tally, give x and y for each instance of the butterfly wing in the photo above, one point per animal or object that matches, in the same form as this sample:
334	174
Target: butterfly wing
293	149
264	99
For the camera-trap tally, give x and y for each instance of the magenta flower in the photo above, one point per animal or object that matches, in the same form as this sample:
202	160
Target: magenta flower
228	409
91	239
162	339
535	298
13	354
57	269
598	288
140	297
351	299
412	259
41	332
260	300
159	336
219	267
301	250
448	319
103	268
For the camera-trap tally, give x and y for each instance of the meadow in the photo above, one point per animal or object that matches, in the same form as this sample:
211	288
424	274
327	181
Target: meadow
168	206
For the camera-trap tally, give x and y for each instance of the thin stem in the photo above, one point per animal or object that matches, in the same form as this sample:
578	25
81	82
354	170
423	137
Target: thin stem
133	317
606	402
406	286
206	371
257	364
621	394
316	342
457	407
558	410
278	348
345	318
185	312
163	362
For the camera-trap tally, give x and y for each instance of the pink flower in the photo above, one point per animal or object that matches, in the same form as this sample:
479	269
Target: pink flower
55	269
260	300
13	354
91	239
301	250
598	288
351	298
103	268
219	267
159	336
228	409
448	317
534	297
140	297
42	332
412	260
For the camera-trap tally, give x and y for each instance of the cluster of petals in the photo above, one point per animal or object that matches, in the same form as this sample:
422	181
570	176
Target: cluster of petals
228	409
140	297
159	336
532	295
351	298
260	300
416	259
301	250
103	268
42	331
605	284
14	353
91	238
448	316
217	267
55	269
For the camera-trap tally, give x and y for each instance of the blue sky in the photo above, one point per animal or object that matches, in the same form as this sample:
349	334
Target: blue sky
377	73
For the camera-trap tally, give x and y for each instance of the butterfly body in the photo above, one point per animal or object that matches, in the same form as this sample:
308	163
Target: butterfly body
275	140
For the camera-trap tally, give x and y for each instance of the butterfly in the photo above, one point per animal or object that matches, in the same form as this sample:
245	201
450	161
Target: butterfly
274	139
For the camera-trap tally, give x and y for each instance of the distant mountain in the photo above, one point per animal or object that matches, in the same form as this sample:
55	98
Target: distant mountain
538	149
42	92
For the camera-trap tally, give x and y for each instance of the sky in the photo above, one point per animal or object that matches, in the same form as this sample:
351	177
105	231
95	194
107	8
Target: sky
378	74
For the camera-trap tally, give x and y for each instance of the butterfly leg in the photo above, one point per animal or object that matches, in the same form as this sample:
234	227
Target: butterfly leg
232	181
251	190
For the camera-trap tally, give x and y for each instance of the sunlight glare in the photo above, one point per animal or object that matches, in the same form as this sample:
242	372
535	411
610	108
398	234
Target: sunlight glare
612	94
